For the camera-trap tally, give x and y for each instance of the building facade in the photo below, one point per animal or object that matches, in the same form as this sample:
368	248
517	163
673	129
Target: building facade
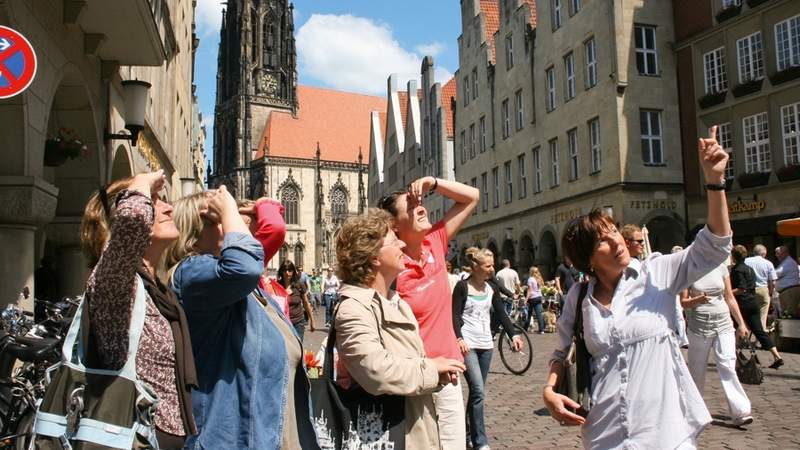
566	106
739	68
84	52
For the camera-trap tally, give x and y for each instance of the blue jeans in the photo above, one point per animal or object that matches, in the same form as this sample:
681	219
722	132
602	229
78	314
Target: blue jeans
477	362
535	306
300	328
316	299
330	302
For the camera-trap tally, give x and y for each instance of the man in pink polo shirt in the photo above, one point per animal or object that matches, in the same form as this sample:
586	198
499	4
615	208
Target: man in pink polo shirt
425	287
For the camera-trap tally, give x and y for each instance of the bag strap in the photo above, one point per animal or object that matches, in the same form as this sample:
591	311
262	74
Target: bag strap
327	366
134	334
577	325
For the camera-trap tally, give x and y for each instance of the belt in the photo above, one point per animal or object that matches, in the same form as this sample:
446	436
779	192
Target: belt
787	288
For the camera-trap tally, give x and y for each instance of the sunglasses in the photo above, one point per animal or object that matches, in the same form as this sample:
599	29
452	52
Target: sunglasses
638	241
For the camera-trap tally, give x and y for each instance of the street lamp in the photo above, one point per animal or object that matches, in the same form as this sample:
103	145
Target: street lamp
135	98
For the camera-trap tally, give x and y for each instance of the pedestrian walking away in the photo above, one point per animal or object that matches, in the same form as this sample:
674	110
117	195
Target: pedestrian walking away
330	286
765	280
534	300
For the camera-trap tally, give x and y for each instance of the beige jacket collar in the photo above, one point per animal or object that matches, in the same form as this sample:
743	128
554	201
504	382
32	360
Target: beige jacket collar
367	296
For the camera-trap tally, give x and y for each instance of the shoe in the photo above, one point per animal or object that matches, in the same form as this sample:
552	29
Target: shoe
744	420
777	363
541	332
484	447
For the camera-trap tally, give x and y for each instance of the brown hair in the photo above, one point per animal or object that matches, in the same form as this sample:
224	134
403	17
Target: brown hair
95	225
582	235
628	230
739	253
359	240
387	202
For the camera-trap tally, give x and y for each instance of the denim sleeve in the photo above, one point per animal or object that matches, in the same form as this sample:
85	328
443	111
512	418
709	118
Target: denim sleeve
206	283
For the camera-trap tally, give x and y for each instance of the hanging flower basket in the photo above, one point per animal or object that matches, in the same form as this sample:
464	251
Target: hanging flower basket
788	172
748	87
67	145
753	179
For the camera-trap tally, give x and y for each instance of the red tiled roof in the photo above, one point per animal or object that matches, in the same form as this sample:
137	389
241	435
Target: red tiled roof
382	119
532	5
491	16
402	97
339	121
449	90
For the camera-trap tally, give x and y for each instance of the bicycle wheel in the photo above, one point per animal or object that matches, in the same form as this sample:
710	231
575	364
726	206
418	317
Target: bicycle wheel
517	362
25	431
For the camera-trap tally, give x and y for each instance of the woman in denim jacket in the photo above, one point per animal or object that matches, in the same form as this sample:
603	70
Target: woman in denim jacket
247	382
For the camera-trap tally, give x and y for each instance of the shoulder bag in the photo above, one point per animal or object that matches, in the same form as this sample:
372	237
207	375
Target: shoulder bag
576	378
85	408
748	368
353	418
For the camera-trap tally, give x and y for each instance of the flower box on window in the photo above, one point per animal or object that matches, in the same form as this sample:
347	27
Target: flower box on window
753	179
785	75
754	3
747	87
714	98
788	172
728	13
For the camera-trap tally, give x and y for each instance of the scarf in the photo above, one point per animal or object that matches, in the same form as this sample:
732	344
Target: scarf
185	374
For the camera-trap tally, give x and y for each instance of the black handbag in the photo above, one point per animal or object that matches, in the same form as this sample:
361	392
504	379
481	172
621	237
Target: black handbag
748	368
576	378
353	418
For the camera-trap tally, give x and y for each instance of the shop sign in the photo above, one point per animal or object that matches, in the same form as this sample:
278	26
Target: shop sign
565	216
480	236
654	204
740	206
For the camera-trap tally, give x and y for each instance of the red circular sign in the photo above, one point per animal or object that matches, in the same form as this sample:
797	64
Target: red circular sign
17	63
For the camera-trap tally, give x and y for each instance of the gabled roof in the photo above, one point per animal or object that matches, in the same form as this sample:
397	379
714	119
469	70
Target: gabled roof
491	16
338	121
402	98
449	90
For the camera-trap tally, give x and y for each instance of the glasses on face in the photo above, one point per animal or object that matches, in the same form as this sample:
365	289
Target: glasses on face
638	241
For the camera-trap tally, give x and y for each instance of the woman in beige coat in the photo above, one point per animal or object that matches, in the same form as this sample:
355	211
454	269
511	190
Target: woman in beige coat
377	336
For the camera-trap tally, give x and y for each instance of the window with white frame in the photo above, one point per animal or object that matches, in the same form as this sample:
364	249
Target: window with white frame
725	139
482	129
496	179
646	55
463	147
550	76
574	7
650	122
523	176
787	40
756	143
751	61
509	52
594	144
790	117
472	141
474	83
509	181
518	105
569	73
466	90
506	119
485	196
556	14
555	173
572	144
536	156
714	69
591	63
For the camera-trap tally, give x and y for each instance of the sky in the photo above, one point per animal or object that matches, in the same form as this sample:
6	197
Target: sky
349	45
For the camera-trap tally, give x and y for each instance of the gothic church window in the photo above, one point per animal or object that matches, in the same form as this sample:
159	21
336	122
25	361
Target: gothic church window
283	254
289	199
338	205
298	254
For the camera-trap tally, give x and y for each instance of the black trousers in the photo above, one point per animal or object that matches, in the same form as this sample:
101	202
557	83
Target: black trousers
752	317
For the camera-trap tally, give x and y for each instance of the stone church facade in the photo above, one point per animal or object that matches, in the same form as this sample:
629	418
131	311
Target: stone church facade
305	146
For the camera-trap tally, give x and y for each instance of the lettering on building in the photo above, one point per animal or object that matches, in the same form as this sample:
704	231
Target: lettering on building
654	204
740	206
566	215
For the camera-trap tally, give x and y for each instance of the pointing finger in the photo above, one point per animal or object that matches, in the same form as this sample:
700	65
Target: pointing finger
712	133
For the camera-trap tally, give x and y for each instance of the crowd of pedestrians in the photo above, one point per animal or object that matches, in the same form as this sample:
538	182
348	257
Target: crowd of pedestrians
222	341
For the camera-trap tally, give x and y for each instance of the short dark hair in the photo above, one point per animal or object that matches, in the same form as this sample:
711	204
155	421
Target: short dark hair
387	202
582	235
739	253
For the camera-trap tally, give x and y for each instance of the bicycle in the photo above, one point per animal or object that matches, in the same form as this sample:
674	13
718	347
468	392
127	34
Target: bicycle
516	361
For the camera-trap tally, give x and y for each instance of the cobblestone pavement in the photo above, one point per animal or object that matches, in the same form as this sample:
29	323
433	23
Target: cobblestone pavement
516	418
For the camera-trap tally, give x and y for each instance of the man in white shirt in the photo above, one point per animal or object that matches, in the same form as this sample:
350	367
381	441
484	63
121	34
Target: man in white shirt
510	280
788	282
765	279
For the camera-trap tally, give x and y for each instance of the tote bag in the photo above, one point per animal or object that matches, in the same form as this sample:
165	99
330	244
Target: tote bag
576	379
349	419
85	408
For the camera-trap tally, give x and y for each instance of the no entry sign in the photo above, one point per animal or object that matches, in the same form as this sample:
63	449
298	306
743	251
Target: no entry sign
17	63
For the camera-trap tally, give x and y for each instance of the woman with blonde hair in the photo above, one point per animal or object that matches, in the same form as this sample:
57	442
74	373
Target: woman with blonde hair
125	230
474	303
377	335
535	283
252	387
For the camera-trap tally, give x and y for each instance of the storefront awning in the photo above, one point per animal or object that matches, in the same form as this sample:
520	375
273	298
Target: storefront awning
789	227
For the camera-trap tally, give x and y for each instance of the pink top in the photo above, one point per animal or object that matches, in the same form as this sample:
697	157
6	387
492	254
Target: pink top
426	288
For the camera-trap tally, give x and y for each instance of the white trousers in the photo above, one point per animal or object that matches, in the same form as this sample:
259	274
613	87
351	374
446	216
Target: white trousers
724	346
452	423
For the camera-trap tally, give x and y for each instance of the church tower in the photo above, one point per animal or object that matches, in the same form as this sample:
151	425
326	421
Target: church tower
256	74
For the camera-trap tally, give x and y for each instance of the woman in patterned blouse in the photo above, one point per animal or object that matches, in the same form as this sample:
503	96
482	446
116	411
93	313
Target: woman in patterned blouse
124	232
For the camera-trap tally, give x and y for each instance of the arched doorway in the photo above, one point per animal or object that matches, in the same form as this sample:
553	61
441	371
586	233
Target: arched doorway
526	253
508	253
547	255
665	232
121	166
492	246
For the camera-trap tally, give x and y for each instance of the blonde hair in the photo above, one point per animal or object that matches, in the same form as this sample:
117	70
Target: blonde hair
534	272
189	222
359	240
477	256
95	225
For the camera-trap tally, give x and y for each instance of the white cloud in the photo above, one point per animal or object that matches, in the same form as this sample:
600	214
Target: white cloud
432	49
355	54
208	16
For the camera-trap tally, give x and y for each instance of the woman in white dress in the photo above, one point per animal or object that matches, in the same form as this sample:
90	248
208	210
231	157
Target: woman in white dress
709	304
642	395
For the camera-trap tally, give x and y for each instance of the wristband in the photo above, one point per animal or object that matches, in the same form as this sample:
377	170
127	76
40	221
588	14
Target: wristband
715	187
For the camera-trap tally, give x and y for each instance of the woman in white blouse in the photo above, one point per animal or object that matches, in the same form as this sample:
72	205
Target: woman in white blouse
642	395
